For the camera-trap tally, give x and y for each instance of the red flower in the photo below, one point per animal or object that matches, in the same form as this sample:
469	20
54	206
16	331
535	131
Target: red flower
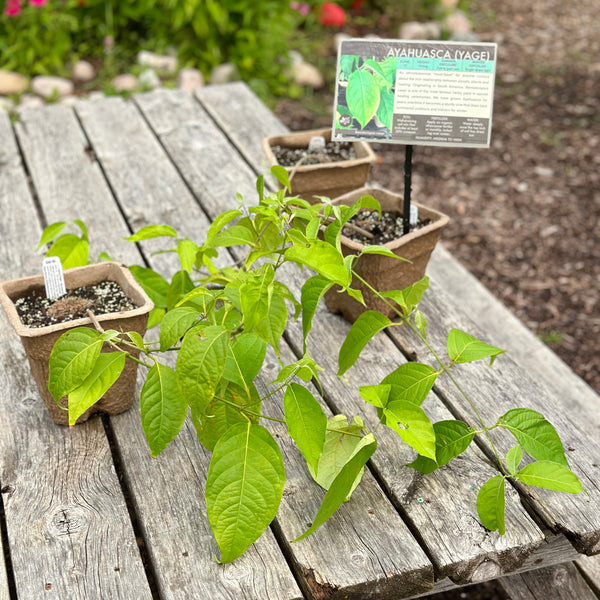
12	8
37	2
332	14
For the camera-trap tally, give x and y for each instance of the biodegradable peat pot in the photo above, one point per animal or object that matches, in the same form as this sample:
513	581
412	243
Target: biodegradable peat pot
382	272
38	342
328	179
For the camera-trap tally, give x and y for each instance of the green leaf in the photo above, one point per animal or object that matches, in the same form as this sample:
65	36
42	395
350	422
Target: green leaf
312	291
219	416
155	316
411	423
105	372
187	251
409	297
51	232
152	231
463	348
136	339
491	503
218	224
175	324
83	229
181	285
385	111
513	459
420	322
382	251
200	365
551	476
377	395
411	382
155	285
536	435
72	251
72	360
245	358
322	258
344	483
306	422
362	331
162	408
362	96
236	235
282	176
244	487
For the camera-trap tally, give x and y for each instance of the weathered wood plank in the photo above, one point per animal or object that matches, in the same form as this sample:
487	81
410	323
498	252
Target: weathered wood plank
325	552
561	582
172	514
505	386
590	568
68	527
4	593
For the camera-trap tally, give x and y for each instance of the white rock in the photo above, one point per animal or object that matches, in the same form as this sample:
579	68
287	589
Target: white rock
223	73
125	82
190	79
295	57
6	104
158	62
457	23
543	171
83	71
48	86
29	101
413	31
433	30
307	74
148	79
69	100
12	83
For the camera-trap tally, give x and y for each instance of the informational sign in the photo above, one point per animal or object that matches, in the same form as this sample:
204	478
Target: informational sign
415	92
54	278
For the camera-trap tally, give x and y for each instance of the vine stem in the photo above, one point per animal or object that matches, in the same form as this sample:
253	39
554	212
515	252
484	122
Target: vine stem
445	368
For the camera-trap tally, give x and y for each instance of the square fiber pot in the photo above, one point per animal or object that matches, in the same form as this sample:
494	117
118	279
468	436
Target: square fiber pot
382	272
329	179
38	342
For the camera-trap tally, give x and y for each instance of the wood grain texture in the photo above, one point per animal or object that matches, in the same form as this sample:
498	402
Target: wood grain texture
590	568
560	582
506	386
169	491
68	527
329	559
4	593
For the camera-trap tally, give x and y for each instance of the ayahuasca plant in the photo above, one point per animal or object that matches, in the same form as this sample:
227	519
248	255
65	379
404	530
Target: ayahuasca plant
220	320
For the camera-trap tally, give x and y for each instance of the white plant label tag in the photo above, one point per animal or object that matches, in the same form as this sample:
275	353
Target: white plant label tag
414	215
54	279
316	143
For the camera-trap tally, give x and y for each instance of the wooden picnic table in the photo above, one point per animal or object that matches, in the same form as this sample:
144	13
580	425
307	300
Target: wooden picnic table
87	513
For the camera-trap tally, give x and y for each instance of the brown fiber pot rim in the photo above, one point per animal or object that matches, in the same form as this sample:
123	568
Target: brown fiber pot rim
12	290
392	202
300	139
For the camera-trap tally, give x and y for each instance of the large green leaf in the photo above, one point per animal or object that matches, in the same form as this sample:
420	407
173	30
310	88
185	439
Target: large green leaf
200	365
154	284
491	503
411	423
362	96
409	297
51	232
537	436
306	422
152	231
243	488
463	348
513	459
312	291
71	249
181	285
322	258
362	331
225	410
411	382
163	410
236	235
385	111
105	372
344	482
187	252
175	324
245	358
72	360
551	476
220	222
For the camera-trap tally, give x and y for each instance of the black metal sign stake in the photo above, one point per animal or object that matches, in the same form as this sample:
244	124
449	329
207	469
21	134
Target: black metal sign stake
407	188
